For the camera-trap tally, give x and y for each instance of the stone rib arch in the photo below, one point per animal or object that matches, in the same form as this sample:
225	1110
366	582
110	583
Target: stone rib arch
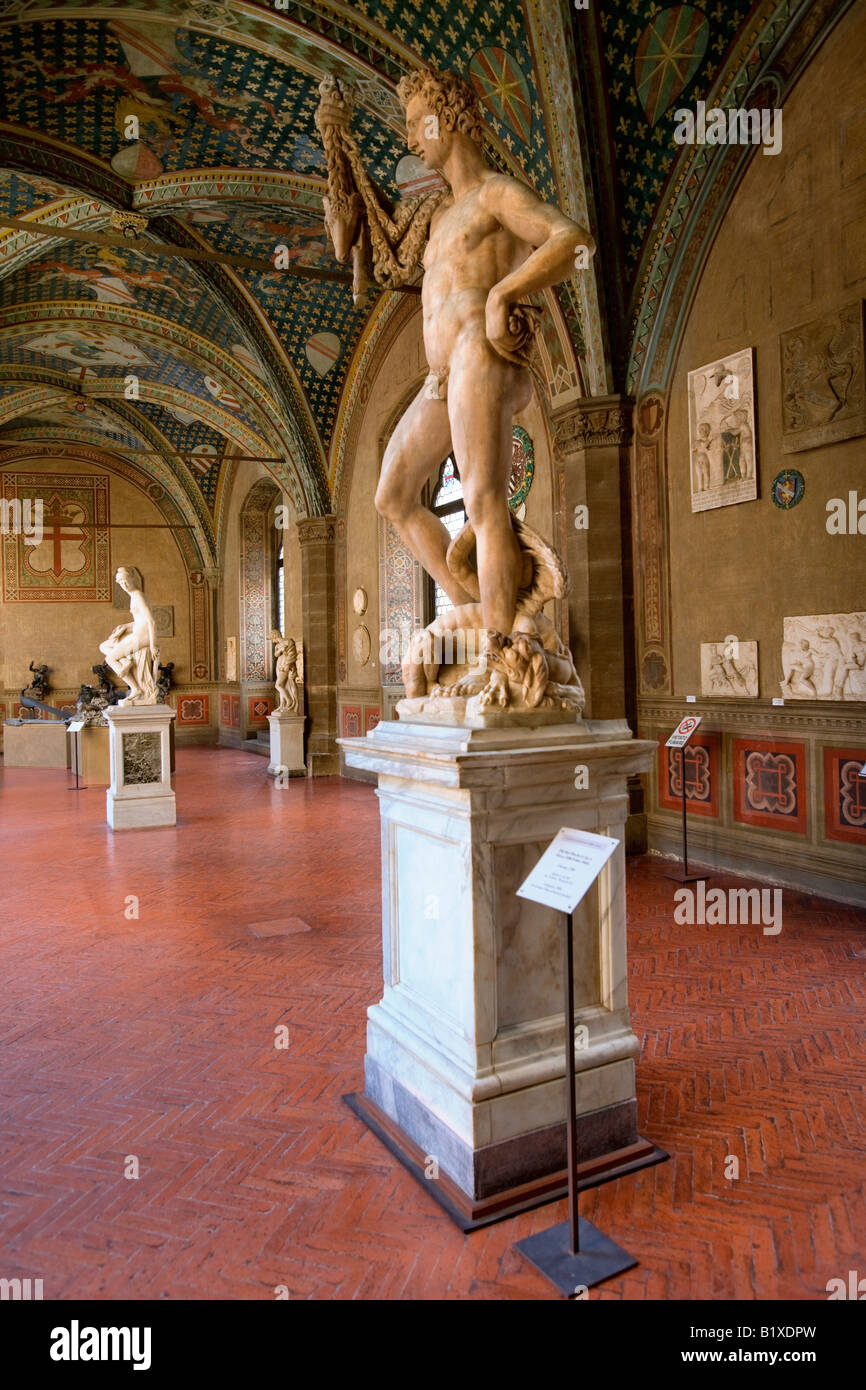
163	468
288	412
171	503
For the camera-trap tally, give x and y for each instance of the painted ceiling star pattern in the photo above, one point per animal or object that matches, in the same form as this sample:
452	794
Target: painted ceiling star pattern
654	59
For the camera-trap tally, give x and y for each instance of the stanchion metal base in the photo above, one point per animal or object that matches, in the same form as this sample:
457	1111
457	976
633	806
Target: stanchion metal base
598	1258
679	877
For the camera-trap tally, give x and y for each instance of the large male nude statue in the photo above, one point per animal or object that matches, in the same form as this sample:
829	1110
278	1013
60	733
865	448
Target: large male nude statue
131	650
491	243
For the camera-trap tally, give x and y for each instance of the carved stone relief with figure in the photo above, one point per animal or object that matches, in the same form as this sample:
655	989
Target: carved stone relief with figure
824	657
722	434
823	380
729	669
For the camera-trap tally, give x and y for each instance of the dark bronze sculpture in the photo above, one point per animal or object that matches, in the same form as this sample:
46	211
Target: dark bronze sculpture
165	680
104	694
38	687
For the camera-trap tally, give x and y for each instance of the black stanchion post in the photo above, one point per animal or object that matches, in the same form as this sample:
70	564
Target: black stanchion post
570	1115
575	1254
684	732
75	734
685	815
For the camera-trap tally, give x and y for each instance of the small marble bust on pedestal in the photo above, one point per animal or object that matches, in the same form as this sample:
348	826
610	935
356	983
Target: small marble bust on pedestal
287	720
140	791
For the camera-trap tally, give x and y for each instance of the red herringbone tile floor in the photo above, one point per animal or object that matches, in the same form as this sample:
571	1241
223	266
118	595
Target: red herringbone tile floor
149	1039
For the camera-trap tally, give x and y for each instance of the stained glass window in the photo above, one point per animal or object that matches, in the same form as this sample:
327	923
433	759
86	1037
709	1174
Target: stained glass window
281	588
447	504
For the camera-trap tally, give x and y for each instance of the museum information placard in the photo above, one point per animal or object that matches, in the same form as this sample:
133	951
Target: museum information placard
567	869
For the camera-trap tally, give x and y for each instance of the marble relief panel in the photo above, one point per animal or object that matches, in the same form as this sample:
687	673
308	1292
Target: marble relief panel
722	434
824	657
729	668
823	380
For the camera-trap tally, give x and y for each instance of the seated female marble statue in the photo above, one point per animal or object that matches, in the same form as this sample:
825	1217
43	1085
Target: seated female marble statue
131	651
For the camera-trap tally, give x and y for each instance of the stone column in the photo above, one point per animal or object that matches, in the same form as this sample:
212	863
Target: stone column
213	580
592	439
317	536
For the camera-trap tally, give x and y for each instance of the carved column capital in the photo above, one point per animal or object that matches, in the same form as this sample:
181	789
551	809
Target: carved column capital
317	528
594	422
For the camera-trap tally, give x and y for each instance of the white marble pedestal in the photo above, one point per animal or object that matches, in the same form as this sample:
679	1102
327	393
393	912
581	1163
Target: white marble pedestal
465	1061
140	793
287	743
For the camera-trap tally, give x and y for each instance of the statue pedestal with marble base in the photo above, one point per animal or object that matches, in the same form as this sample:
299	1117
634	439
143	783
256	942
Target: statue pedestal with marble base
465	1061
140	793
287	743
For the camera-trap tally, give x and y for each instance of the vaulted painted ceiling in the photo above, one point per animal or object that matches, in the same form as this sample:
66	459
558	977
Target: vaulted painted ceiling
200	117
658	203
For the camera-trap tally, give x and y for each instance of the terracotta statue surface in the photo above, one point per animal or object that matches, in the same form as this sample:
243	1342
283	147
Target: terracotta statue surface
490	243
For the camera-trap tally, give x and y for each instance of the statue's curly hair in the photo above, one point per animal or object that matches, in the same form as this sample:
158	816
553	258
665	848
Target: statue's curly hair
449	96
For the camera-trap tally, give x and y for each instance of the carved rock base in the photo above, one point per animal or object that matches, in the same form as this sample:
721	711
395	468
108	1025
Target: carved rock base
465	713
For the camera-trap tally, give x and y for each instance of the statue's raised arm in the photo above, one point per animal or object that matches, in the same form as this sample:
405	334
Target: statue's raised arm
385	243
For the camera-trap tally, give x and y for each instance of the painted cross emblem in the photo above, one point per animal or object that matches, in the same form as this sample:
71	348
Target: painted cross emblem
61	550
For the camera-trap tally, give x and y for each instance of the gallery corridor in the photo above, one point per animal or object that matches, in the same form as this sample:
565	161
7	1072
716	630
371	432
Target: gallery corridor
145	977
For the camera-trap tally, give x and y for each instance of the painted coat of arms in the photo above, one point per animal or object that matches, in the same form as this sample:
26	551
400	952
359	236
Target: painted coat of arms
71	562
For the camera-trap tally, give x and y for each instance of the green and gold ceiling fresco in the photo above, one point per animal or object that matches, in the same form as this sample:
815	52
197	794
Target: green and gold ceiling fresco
656	58
662	202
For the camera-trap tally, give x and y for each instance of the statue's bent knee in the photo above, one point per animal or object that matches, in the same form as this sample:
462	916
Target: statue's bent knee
388	503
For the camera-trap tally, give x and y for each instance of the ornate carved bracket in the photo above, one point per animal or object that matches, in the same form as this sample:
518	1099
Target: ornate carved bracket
603	420
317	528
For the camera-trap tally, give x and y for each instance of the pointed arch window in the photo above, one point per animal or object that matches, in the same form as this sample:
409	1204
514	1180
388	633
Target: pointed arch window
446	503
280	584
